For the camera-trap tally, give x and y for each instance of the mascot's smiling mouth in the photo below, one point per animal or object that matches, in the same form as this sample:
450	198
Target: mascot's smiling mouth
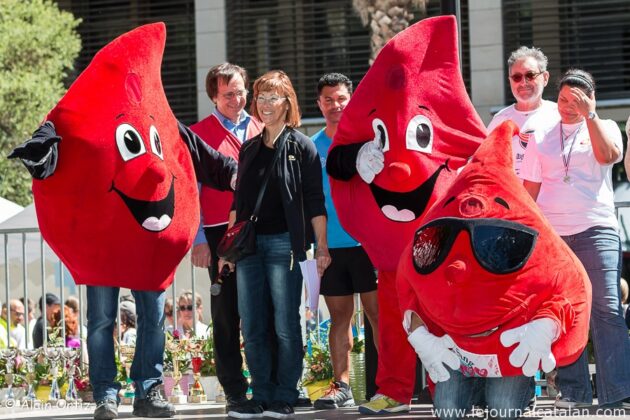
154	216
407	206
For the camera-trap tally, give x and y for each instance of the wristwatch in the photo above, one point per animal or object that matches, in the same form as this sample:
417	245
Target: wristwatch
591	115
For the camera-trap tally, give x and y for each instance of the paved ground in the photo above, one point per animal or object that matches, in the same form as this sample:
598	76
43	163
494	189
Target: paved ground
544	410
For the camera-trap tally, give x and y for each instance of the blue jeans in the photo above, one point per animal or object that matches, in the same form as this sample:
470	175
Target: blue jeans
263	278
506	397
146	369
599	250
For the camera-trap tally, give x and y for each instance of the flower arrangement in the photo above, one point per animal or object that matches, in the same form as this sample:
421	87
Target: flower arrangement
318	364
208	366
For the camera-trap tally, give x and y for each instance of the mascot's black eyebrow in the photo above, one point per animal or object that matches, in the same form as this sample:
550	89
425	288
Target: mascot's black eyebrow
118	116
372	112
502	202
423	107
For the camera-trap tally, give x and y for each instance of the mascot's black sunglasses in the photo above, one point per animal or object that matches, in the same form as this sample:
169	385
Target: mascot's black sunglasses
500	246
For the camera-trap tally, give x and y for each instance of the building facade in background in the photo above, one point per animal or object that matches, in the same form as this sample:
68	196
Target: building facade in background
307	38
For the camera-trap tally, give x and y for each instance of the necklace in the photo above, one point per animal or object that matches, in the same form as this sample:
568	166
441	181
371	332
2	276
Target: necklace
567	159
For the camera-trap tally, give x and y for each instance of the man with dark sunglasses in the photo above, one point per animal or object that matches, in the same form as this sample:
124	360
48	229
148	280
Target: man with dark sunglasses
528	76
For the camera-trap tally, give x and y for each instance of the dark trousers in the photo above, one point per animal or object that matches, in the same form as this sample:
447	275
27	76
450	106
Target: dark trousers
225	322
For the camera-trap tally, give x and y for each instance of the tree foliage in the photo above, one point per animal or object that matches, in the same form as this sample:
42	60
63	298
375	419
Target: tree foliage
38	46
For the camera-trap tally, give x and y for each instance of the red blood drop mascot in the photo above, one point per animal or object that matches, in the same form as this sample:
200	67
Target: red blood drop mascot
116	198
500	293
407	128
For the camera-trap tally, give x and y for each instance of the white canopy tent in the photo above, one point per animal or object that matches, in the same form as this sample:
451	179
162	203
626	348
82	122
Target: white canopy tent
8	209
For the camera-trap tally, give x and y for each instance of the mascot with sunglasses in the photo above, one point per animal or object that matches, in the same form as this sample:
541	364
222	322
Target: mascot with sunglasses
494	294
407	129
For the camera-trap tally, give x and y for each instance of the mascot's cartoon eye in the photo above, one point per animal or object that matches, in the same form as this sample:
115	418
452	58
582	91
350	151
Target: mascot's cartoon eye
156	144
380	133
420	134
129	142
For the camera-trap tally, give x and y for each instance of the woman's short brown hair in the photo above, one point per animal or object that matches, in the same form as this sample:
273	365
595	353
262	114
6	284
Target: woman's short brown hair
279	81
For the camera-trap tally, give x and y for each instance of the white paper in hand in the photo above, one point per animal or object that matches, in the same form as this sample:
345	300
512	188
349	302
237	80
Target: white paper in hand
312	281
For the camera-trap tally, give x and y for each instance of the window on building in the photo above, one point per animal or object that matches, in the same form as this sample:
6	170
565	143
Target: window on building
104	20
306	39
593	35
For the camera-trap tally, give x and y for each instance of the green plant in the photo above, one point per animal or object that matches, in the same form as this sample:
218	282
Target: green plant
38	46
318	365
358	345
208	367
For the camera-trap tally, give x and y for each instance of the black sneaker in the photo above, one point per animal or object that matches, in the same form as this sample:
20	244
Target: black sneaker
106	410
153	405
279	410
338	395
233	402
625	403
250	409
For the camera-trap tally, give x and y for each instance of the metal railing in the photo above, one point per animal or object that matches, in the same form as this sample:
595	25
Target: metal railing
18	256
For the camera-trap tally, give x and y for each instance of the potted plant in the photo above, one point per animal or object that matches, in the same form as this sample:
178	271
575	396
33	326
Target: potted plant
319	371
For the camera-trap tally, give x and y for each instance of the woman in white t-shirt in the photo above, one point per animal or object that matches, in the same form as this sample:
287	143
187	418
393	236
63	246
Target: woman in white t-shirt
568	171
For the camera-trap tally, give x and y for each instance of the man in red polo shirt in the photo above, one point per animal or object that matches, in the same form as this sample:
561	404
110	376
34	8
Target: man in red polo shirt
225	130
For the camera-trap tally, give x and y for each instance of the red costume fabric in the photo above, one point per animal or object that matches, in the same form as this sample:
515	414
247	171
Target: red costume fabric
121	207
414	100
215	204
486	261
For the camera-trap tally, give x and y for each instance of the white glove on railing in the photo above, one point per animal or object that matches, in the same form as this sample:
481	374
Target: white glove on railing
370	160
534	349
434	352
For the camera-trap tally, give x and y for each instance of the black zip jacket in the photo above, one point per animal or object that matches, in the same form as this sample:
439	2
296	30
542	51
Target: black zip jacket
299	168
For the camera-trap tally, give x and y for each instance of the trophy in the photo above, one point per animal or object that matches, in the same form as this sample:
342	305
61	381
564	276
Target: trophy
177	395
196	393
30	357
9	355
126	358
70	355
53	354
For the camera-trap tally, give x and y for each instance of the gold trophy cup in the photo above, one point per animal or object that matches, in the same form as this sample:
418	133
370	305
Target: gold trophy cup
177	395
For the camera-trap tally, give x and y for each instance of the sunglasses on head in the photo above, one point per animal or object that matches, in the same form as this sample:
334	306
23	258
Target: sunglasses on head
499	246
530	75
185	307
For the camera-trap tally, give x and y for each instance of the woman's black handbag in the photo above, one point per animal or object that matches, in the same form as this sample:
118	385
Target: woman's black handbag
239	241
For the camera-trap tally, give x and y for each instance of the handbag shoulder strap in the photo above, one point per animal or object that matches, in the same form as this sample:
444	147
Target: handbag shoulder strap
280	145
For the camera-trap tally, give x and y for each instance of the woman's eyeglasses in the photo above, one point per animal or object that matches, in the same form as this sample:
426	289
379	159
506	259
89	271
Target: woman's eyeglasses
185	308
272	100
530	75
500	246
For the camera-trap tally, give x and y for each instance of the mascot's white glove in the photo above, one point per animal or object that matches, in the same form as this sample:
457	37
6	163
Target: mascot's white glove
233	182
535	340
370	160
434	352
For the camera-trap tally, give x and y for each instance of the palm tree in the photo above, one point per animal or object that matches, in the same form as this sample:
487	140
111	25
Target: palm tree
386	18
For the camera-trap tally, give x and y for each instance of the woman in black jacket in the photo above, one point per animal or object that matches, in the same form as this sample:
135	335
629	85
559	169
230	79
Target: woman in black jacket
292	210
